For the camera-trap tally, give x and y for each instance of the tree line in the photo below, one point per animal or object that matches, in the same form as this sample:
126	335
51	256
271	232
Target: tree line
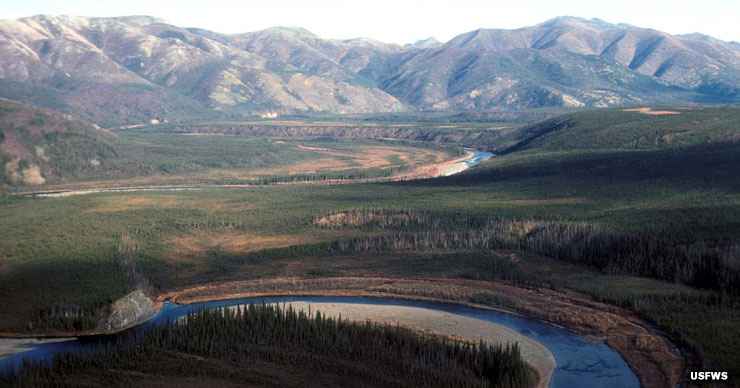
700	264
381	355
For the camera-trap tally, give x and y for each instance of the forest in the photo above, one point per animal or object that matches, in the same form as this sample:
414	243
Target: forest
224	345
699	264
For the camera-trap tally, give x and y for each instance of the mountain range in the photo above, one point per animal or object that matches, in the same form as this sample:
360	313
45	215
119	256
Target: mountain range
128	70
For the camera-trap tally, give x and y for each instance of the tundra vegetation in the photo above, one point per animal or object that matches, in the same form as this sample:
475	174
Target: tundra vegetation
42	149
637	210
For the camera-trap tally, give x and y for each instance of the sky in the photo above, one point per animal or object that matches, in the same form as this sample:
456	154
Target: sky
400	21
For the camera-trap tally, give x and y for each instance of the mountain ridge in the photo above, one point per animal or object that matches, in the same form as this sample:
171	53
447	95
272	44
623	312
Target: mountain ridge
128	69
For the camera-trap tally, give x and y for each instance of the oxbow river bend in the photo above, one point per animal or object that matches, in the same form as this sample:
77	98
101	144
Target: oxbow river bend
580	362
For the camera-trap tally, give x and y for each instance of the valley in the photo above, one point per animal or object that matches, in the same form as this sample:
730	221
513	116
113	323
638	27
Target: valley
150	156
371	195
615	224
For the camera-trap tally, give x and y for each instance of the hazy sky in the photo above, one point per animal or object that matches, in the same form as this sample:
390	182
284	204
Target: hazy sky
400	21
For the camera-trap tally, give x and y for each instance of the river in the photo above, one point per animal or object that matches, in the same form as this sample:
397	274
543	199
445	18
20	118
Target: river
473	158
580	362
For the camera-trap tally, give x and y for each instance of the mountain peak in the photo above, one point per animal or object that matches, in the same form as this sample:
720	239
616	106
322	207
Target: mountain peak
430	42
363	42
575	21
55	18
294	32
566	61
701	37
138	20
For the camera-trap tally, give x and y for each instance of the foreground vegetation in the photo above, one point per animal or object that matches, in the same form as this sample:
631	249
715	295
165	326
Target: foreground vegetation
272	346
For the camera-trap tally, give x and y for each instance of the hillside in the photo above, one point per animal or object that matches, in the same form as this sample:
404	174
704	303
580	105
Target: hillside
567	61
633	129
659	172
128	70
38	145
131	69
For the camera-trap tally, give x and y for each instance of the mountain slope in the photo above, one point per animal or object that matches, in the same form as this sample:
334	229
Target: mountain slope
148	68
38	145
127	70
684	60
568	62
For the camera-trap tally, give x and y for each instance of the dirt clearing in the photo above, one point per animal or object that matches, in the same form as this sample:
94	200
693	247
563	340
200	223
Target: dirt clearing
651	112
196	245
123	203
135	202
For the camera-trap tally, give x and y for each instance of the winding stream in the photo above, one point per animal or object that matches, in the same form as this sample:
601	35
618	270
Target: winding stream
474	159
478	157
579	362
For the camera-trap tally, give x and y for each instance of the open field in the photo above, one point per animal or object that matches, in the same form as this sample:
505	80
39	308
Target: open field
50	150
147	159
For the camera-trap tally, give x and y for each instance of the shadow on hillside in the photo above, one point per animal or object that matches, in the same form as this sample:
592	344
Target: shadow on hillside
705	167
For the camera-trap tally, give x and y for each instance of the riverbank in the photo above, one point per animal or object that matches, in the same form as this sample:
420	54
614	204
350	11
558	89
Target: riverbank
655	361
10	346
